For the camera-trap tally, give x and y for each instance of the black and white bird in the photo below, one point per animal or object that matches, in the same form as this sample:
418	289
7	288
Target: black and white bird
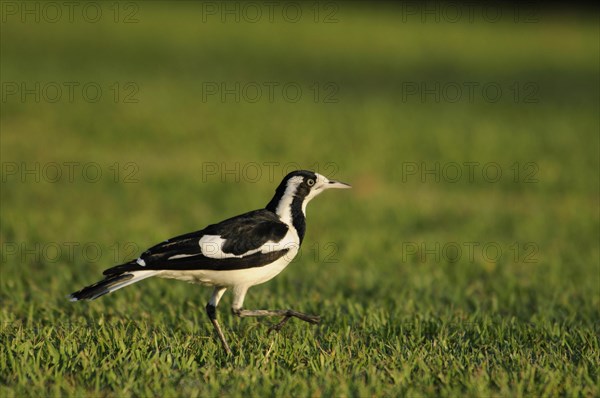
236	253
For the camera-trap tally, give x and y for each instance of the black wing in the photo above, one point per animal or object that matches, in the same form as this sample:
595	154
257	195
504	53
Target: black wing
243	236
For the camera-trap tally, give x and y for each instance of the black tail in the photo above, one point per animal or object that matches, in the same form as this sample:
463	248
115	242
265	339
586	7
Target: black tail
120	269
101	288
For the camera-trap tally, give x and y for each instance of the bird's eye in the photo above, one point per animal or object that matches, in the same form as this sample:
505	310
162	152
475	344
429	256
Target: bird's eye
310	182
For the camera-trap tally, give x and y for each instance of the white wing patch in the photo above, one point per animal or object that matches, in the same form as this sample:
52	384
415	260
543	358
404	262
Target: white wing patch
212	246
176	256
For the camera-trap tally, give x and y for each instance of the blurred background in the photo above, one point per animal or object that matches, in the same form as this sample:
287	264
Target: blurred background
469	134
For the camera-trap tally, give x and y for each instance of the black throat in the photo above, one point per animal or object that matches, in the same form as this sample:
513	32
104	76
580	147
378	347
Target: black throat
298	218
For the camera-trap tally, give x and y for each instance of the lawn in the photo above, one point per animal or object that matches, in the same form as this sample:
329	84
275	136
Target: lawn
464	261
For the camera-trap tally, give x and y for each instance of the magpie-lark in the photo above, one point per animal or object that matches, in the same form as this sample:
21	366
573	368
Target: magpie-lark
237	253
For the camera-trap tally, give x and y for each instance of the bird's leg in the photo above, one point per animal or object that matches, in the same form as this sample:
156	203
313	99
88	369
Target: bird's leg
287	314
211	310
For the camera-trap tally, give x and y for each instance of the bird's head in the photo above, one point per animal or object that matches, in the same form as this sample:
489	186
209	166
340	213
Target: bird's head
297	189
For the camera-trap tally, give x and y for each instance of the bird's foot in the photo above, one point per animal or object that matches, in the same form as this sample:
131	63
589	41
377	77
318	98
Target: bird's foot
277	327
287	314
314	319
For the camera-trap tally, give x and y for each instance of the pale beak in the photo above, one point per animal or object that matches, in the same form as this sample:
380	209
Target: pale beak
336	184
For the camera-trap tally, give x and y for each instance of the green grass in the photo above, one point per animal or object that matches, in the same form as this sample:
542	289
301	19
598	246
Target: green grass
400	315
